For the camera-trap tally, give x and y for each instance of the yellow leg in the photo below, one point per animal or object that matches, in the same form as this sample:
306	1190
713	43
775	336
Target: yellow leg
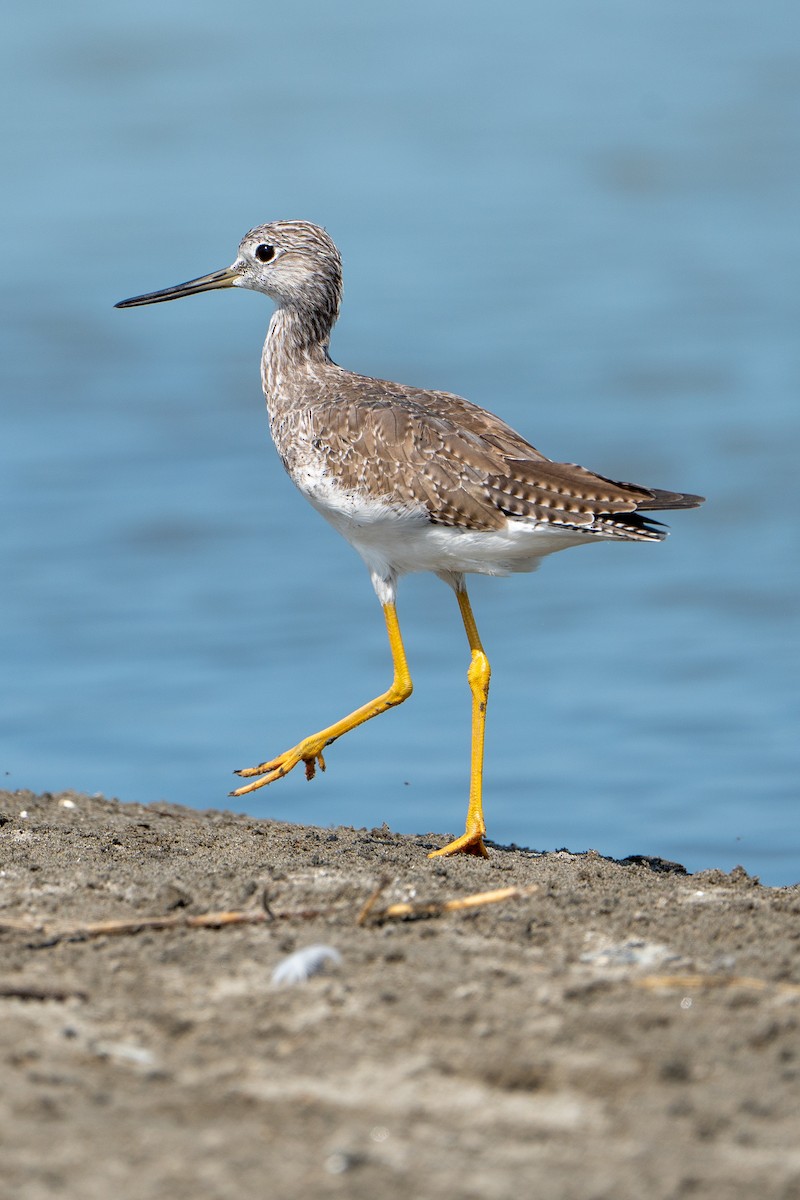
479	674
309	751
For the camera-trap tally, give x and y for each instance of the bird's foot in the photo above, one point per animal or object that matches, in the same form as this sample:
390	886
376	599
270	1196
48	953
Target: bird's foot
470	842
309	752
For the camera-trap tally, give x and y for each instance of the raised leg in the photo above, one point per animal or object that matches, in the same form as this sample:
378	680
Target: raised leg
309	751
479	674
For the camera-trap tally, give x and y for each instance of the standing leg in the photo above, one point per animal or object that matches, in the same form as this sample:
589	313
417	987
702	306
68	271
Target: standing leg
478	675
309	751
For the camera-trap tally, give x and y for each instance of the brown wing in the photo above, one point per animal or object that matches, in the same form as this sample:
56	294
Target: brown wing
466	467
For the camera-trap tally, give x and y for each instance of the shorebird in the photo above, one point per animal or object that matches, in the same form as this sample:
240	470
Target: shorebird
415	480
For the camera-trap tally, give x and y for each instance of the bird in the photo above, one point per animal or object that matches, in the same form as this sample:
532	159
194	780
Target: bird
415	480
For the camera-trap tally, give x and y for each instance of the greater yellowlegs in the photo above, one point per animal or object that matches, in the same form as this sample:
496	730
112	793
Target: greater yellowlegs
415	480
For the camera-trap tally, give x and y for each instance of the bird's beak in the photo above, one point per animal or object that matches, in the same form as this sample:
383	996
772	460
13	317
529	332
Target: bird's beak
225	278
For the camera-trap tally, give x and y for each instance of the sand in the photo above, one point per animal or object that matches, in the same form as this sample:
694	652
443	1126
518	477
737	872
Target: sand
608	1030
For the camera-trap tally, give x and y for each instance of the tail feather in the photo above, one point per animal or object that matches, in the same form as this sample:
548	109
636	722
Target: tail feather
636	524
659	500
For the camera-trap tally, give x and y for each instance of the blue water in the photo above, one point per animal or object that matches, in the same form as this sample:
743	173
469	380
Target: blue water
584	217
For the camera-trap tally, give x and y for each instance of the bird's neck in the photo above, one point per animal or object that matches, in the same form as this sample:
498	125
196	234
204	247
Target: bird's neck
297	343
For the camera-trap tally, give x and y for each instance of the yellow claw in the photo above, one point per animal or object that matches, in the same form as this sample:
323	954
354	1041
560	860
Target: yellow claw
468	843
311	765
309	751
306	752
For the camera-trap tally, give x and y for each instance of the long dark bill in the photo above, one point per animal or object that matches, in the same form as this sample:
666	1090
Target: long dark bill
205	283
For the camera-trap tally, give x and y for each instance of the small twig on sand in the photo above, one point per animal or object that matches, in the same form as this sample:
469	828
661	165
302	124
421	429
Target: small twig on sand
690	982
435	908
211	920
371	900
8	925
216	920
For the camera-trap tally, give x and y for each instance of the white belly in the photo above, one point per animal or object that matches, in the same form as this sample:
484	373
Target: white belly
394	541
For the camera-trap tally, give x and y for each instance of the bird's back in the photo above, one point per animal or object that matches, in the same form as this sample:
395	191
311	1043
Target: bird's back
451	461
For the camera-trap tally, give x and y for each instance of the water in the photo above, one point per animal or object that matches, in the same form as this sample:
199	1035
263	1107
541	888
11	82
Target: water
581	216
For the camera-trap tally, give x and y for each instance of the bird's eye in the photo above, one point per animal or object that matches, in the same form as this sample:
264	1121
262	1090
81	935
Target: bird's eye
264	253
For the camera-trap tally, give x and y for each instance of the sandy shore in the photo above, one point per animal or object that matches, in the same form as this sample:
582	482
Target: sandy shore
605	1030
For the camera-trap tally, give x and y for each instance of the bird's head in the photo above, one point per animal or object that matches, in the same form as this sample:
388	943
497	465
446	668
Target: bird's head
295	263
